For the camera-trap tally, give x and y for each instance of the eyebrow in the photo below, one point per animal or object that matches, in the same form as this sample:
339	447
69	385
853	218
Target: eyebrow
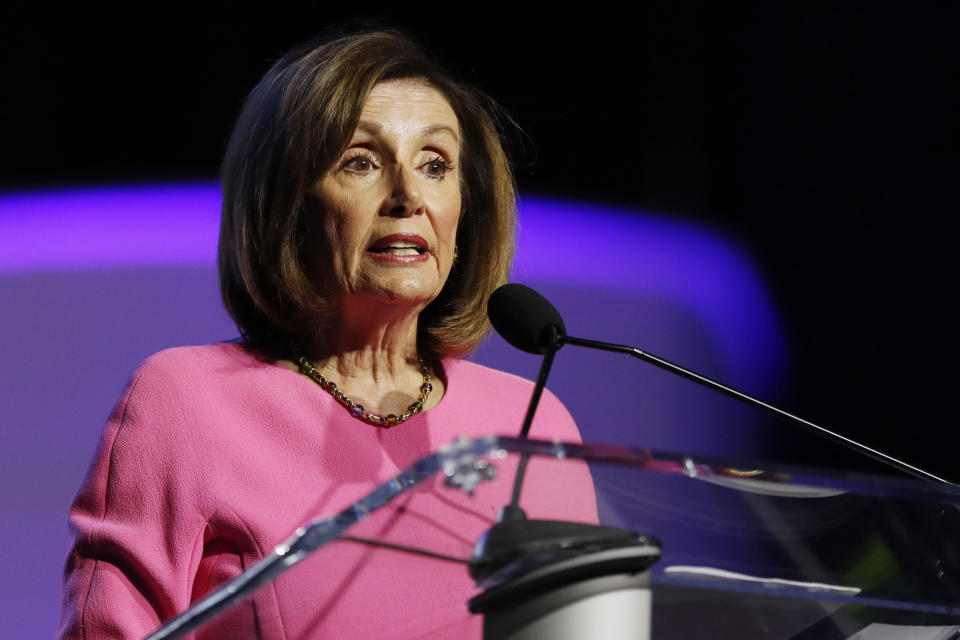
375	128
441	128
370	127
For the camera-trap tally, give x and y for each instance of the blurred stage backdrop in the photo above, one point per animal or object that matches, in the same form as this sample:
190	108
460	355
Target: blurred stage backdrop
761	194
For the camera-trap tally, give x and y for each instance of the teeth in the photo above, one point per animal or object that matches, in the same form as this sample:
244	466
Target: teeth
399	248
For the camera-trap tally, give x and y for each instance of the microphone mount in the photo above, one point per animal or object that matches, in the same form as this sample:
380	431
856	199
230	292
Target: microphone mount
702	380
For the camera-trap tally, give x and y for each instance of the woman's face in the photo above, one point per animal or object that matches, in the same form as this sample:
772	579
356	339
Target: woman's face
391	203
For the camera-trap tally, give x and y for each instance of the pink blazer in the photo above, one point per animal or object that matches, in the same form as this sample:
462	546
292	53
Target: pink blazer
214	456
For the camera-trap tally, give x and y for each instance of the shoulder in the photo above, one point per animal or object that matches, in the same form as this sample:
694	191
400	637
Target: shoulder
182	417
197	370
484	382
177	389
467	372
220	357
500	400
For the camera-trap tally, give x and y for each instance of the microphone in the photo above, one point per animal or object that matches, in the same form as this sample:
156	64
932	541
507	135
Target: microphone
525	319
529	322
561	565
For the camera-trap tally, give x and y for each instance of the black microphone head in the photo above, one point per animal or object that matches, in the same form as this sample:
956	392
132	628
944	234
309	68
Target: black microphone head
525	318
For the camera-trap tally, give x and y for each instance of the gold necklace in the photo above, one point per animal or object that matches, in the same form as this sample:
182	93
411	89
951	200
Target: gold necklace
357	410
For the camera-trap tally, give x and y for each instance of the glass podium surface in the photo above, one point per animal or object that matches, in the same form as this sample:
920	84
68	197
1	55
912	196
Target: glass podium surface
746	553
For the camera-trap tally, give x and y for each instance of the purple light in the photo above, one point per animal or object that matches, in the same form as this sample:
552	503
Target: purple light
599	247
94	280
109	227
559	242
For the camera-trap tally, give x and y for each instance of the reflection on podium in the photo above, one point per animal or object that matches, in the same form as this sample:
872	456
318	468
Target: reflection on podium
685	547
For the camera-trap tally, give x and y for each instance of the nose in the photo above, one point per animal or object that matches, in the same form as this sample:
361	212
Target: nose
405	198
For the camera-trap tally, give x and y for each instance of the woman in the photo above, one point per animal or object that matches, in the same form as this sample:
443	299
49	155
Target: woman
368	214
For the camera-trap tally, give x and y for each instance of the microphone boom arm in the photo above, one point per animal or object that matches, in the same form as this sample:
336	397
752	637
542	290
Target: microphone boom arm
739	395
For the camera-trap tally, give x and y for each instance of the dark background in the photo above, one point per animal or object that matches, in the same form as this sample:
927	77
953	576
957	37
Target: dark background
822	139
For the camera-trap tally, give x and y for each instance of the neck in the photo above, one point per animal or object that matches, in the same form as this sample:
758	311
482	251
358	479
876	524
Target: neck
371	355
364	342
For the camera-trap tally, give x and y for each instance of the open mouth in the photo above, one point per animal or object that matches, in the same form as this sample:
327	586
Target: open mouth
400	245
399	249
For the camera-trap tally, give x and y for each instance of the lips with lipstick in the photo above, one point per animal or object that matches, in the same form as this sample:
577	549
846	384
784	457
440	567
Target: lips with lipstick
402	248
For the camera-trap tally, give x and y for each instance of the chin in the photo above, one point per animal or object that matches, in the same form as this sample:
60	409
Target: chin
406	293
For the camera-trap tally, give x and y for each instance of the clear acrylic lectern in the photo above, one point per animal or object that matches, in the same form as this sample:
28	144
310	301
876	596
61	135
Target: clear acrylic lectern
726	550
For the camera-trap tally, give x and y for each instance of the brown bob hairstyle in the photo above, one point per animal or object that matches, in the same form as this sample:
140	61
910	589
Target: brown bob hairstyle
294	125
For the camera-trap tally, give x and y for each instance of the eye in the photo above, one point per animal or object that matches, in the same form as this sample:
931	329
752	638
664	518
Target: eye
359	163
437	168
